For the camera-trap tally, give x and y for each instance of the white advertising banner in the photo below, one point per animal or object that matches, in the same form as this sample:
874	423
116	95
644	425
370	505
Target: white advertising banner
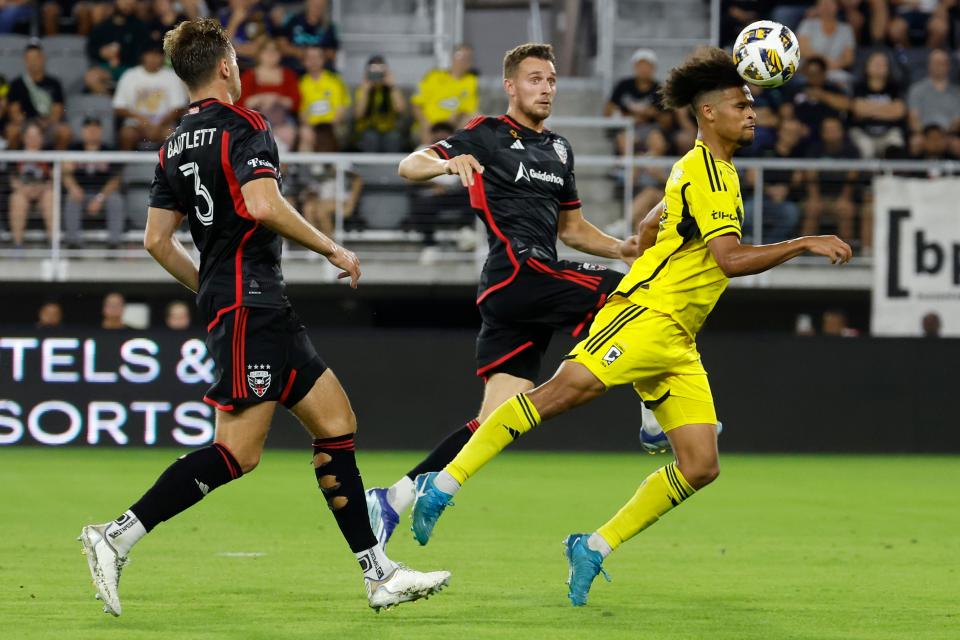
916	255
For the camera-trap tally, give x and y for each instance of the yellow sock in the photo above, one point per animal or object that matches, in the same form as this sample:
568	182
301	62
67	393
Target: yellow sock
514	417
663	490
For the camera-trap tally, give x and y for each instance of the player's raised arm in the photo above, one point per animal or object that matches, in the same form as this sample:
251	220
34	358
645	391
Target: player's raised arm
161	243
737	259
578	233
267	205
426	164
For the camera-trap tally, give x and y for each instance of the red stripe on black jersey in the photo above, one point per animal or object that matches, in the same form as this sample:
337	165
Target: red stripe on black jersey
254	118
162	148
510	121
473	123
478	200
439	150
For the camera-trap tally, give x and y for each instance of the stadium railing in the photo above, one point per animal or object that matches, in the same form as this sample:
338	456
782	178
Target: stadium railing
392	251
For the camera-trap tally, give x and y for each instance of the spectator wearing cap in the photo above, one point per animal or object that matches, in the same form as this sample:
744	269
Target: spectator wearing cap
934	100
37	96
93	189
117	42
379	110
149	99
30	185
324	100
311	27
446	95
636	97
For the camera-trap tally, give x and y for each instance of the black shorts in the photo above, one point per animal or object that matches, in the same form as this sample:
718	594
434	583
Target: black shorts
261	355
546	295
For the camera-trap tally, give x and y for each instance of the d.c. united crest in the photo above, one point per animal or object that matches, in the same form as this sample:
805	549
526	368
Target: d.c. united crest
259	378
561	150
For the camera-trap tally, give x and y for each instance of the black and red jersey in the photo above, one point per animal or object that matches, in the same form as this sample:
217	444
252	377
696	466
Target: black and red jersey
218	148
528	179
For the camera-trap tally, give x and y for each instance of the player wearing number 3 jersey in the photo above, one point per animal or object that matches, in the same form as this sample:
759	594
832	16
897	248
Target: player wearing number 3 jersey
220	169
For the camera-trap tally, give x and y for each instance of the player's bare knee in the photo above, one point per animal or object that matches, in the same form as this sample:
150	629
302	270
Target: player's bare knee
700	473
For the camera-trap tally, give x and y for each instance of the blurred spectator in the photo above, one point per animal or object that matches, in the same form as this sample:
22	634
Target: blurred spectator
317	187
925	21
878	112
934	100
15	14
274	91
649	181
441	198
737	14
84	14
934	145
781	188
636	97
310	28
38	97
834	323
804	325
30	185
166	15
931	325
49	315
177	316
93	188
447	95
831	193
324	99
246	23
824	35
149	100
113	307
814	99
379	110
868	19
115	43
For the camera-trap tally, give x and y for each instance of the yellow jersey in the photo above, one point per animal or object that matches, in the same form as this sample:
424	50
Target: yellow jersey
323	96
443	98
678	276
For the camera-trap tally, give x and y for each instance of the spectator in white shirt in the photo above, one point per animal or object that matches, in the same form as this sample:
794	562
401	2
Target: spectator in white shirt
827	37
149	99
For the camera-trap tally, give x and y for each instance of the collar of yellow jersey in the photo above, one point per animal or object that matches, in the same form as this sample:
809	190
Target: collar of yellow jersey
703	144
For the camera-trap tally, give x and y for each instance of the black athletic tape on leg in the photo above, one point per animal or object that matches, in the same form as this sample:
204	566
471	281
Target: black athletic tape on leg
444	453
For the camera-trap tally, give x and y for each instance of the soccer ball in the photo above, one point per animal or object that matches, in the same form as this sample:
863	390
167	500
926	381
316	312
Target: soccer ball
766	54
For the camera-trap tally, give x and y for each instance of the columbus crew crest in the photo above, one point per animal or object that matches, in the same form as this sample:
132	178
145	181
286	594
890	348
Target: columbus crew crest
561	150
259	378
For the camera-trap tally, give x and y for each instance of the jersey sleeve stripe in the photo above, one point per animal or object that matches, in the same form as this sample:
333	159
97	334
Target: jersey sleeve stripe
265	170
510	121
473	123
238	202
162	159
706	164
440	151
255	121
727	228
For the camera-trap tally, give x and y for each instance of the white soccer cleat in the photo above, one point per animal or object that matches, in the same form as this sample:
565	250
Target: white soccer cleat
105	566
405	585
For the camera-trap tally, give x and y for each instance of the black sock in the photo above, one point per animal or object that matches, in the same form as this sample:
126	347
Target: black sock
185	483
446	451
339	479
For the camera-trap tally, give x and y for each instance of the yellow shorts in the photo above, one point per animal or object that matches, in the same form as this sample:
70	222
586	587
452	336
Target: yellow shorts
630	344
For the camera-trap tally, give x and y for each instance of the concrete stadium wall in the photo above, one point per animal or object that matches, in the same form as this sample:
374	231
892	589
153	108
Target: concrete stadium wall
410	387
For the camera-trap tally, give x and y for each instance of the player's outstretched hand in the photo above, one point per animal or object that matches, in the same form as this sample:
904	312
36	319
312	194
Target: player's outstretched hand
464	166
830	246
630	249
349	262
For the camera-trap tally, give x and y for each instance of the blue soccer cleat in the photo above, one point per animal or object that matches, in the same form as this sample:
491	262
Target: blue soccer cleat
427	506
585	565
653	439
383	518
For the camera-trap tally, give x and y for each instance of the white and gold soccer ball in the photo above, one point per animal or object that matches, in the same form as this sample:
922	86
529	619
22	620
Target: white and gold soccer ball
766	53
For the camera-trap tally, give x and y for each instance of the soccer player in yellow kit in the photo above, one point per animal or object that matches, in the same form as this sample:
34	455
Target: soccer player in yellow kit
645	334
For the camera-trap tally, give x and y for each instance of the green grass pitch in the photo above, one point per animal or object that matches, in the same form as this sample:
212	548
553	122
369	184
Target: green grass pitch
814	547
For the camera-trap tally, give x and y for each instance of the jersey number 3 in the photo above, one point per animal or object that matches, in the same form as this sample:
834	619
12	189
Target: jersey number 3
191	169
